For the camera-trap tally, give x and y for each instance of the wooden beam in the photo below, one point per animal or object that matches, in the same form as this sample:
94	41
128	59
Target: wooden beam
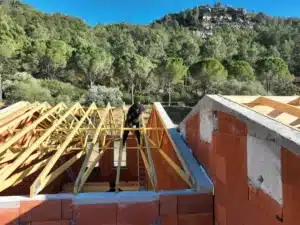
24	131
90	150
87	173
120	150
282	107
52	176
36	144
40	181
148	170
152	168
14	179
184	176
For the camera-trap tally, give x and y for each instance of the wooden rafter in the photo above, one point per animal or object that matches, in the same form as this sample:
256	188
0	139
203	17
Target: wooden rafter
40	181
90	150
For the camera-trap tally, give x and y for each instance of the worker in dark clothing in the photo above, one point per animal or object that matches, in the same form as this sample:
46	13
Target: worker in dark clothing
132	119
112	187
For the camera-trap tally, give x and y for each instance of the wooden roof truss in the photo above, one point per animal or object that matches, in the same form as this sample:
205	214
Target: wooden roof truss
39	136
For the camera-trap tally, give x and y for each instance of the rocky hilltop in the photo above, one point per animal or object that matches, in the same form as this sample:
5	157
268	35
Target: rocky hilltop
206	18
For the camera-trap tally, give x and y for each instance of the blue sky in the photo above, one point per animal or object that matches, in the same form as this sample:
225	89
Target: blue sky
145	11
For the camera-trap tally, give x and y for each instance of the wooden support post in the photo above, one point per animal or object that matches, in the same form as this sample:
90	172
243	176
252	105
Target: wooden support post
89	151
152	168
87	173
120	150
12	167
40	181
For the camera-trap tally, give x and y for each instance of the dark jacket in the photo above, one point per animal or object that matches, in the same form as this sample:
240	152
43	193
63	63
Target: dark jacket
133	113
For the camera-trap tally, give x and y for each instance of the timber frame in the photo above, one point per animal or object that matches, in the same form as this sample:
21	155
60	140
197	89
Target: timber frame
40	134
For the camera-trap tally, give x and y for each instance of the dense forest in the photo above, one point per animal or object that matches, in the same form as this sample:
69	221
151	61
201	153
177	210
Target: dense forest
209	49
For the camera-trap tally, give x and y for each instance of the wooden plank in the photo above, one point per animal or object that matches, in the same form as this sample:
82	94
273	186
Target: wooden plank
152	168
36	144
184	176
147	169
120	150
40	180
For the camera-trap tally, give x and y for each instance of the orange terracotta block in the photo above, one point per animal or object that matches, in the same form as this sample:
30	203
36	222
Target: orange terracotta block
9	216
140	213
169	220
91	214
36	211
168	205
195	219
61	222
195	203
230	125
67	209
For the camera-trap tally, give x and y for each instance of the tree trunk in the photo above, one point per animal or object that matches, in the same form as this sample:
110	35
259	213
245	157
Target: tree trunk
169	93
132	92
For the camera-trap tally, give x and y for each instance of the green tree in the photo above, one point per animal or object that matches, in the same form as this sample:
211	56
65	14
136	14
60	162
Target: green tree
95	64
173	70
241	70
207	71
271	69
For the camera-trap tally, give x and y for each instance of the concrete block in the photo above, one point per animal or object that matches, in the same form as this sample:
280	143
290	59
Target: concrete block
67	209
169	219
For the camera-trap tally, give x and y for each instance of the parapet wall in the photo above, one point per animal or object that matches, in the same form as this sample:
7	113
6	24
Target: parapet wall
256	177
142	208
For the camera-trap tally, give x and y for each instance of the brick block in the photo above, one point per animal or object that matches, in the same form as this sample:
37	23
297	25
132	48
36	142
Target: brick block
100	214
220	168
263	201
139	213
67	209
195	203
230	125
169	220
9	216
168	205
60	222
220	214
195	219
36	211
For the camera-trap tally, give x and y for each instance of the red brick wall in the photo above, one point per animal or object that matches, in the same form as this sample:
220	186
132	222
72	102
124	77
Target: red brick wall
225	159
191	209
167	178
130	173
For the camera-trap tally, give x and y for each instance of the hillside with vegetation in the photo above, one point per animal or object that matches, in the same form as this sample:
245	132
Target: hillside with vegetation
208	49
